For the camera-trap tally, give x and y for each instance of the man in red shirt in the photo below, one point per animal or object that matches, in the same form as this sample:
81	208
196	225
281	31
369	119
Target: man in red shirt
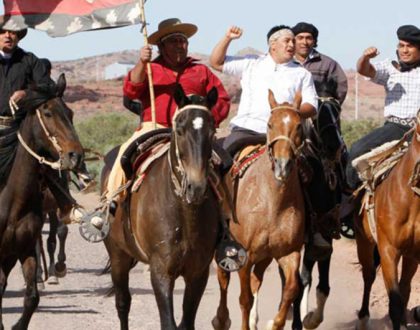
172	66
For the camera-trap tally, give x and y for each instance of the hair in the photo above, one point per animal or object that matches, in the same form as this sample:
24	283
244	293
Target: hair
276	28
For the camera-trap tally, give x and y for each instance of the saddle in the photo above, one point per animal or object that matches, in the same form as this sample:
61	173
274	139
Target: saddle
245	158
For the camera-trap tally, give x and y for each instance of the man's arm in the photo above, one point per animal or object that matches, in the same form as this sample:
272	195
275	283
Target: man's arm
138	73
364	67
341	79
217	57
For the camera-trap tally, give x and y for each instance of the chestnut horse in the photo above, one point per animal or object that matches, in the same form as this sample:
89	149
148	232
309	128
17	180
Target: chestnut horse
45	135
172	221
270	219
397	218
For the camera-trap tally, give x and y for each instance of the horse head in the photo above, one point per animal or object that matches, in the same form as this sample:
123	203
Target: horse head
47	132
191	146
284	137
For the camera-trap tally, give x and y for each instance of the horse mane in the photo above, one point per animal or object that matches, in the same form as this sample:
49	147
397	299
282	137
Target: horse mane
328	89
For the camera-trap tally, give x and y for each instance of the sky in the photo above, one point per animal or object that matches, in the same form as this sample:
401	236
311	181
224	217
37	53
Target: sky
346	28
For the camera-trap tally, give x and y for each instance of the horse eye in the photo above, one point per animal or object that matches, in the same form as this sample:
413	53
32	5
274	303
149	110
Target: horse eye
48	114
270	126
179	130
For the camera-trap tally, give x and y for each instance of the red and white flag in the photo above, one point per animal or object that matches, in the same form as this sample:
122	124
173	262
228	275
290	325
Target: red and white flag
60	18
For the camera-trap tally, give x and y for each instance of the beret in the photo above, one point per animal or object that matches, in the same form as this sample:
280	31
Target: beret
409	33
305	27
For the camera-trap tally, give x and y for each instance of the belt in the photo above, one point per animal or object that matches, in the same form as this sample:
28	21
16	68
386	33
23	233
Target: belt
411	122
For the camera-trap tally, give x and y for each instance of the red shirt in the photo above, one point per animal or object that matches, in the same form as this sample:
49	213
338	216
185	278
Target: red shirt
195	79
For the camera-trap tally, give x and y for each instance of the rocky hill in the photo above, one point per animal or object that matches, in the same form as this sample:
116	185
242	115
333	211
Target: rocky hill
88	92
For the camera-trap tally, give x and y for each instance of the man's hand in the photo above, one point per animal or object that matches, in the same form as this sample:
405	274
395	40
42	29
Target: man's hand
371	52
146	54
17	96
234	32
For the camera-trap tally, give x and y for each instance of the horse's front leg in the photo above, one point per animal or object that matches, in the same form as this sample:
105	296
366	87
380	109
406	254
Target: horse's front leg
409	268
62	232
163	287
257	276
194	289
31	298
314	318
222	321
5	268
300	305
290	268
51	246
246	299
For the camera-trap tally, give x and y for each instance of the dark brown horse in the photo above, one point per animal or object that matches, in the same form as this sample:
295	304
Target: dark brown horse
46	136
270	217
173	219
397	220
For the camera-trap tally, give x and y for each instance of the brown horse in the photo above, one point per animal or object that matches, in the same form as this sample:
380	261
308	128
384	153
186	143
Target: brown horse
172	221
397	218
44	134
270	219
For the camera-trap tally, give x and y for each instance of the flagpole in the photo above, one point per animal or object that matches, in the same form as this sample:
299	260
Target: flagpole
148	66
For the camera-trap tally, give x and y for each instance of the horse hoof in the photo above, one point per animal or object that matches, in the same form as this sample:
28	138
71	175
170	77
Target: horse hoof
52	280
363	324
269	325
311	321
40	286
217	326
416	314
60	270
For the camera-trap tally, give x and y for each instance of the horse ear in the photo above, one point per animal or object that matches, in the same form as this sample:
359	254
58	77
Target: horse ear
271	99
298	100
212	97
179	95
61	85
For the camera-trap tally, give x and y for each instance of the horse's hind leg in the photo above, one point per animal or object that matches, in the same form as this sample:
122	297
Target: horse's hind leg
51	246
222	321
290	268
314	318
31	299
194	289
62	232
257	276
409	268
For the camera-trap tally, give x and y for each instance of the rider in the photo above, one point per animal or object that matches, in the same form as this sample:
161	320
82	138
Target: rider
172	66
327	73
402	100
18	69
277	71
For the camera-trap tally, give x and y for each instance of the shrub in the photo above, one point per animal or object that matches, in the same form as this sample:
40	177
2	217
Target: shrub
355	129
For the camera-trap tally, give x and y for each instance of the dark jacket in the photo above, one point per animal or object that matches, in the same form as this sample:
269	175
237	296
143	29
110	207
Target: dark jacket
324	69
17	73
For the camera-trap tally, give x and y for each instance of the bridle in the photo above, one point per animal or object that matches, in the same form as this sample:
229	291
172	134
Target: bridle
58	164
297	150
179	178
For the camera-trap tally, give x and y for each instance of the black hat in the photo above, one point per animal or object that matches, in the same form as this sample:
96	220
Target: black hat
409	33
306	27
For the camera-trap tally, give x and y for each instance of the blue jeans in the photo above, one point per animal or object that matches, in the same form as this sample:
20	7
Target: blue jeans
388	132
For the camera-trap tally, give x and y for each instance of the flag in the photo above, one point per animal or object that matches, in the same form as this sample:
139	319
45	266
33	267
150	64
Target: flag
60	18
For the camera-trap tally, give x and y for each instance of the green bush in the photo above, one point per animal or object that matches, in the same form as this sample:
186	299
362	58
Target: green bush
103	132
355	129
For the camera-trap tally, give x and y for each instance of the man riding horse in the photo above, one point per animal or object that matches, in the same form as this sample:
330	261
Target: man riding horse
173	66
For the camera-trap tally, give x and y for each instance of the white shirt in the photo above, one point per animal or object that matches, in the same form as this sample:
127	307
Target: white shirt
258	75
402	89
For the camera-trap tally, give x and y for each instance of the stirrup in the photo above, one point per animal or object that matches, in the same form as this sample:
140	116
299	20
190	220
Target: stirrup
230	255
92	233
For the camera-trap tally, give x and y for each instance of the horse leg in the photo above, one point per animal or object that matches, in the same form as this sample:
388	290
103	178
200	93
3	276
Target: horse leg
39	271
389	262
31	299
365	253
120	268
314	318
163	287
300	305
409	268
257	276
51	246
222	321
194	289
5	269
290	267
245	298
60	266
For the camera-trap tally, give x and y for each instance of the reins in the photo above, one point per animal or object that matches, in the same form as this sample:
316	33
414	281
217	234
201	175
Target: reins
57	165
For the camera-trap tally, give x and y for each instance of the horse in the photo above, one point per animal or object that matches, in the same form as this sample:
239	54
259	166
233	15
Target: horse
172	221
396	203
270	219
45	137
324	153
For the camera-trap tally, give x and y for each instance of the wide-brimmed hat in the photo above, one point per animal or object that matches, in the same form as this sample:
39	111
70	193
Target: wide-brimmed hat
6	24
169	26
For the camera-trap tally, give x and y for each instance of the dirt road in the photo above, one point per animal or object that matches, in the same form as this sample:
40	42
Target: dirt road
79	301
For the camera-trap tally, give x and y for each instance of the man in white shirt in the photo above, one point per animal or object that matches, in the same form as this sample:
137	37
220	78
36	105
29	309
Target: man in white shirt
276	71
